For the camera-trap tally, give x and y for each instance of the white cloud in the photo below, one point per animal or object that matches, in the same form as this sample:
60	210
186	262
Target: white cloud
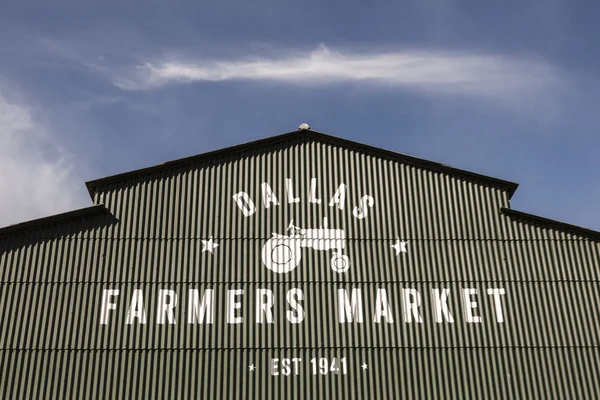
481	75
36	177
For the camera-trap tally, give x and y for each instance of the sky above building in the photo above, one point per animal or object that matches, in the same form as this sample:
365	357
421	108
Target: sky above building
508	89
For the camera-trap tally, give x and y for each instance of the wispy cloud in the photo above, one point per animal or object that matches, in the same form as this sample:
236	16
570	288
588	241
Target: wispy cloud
487	75
36	176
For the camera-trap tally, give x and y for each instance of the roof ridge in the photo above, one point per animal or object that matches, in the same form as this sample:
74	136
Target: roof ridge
509	186
44	221
566	227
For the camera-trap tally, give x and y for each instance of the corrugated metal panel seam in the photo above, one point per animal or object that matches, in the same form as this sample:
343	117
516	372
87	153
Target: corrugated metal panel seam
51	343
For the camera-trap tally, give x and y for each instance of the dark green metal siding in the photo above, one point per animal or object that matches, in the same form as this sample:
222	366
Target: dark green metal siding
66	316
202	373
51	282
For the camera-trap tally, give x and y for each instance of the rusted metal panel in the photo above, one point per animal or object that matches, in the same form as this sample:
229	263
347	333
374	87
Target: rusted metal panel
405	235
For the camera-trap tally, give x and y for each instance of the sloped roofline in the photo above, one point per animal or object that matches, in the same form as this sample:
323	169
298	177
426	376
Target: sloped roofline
92	185
100	209
45	221
563	226
510	187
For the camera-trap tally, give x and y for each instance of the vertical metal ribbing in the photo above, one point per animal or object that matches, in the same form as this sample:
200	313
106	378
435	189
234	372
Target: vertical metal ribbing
51	283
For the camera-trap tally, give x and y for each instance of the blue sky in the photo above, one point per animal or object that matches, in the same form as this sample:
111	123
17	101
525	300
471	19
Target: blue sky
508	89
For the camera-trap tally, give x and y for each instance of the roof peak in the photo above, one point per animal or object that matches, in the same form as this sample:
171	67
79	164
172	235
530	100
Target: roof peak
510	187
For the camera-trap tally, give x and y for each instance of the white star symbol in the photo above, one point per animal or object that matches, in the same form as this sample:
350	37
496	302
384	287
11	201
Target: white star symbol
364	366
400	246
251	367
209	245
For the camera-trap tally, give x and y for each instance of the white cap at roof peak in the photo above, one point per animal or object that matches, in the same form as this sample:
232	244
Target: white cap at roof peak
303	126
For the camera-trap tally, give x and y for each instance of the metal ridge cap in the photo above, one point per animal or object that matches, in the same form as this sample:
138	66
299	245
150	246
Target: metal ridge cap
552	222
511	187
40	222
94	183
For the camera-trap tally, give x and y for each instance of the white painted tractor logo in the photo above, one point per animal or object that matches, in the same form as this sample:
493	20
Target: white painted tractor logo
282	253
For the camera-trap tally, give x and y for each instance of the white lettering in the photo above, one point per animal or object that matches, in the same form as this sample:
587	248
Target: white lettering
362	211
197	310
245	203
411	302
497	303
264	307
440	306
313	192
285	364
166	307
233	305
107	305
136	308
382	308
289	188
469	305
296	314
296	362
268	195
339	197
274	366
350	310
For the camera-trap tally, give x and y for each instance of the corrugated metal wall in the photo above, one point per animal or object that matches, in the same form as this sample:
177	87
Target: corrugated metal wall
67	316
52	279
392	374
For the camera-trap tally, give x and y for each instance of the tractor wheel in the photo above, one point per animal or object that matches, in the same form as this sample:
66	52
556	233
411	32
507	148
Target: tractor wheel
281	255
340	263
